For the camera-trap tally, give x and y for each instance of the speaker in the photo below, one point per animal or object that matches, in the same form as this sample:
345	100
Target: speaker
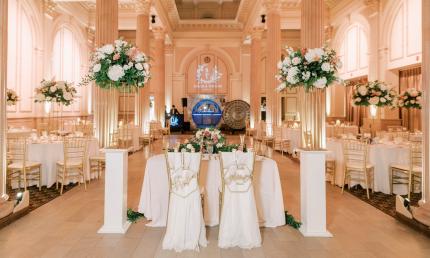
184	102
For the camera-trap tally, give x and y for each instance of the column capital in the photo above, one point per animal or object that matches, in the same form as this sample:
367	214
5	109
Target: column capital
49	8
143	6
159	33
272	6
257	32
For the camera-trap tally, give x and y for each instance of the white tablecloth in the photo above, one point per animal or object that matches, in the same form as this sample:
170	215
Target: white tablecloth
155	192
49	153
381	156
294	135
334	131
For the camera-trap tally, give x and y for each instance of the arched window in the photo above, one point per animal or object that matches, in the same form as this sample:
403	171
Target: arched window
66	59
353	52
21	68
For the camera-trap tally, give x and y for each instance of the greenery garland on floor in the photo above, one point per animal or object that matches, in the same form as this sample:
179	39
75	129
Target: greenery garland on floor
291	221
134	216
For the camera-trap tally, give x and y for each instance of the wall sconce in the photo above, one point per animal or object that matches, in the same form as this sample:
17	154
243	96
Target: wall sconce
263	18
153	19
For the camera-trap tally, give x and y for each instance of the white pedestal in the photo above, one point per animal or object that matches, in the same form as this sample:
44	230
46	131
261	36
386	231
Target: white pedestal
115	207
313	193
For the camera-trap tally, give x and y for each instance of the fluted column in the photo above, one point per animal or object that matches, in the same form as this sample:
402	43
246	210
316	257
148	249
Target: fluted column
141	114
255	75
159	73
106	101
312	105
273	56
425	113
3	73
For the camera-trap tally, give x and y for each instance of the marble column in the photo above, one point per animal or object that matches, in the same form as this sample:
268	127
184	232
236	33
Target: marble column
255	75
425	113
105	101
3	73
141	110
158	74
273	57
312	105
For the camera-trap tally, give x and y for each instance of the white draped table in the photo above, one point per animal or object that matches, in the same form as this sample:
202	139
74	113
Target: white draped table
334	131
268	193
381	156
294	136
49	153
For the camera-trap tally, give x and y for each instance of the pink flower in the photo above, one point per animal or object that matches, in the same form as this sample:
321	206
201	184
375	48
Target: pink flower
116	56
132	52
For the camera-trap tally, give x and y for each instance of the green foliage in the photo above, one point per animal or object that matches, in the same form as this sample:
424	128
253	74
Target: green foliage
134	216
231	147
291	221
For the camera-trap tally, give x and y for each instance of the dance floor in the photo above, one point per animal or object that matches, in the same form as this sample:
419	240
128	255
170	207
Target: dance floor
67	226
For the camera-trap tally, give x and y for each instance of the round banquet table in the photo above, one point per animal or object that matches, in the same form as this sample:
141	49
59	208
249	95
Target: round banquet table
48	153
381	156
268	193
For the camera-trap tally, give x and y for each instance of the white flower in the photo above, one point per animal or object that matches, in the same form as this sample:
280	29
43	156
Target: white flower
280	65
418	98
126	67
382	100
189	146
139	57
357	99
139	66
321	83
68	96
293	71
107	49
362	90
325	67
146	66
374	100
412	101
96	68
287	61
306	75
314	55
115	72
61	85
219	145
296	60
292	79
383	87
53	88
413	92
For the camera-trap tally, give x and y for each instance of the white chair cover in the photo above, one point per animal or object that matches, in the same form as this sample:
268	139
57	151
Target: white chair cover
185	225
239	221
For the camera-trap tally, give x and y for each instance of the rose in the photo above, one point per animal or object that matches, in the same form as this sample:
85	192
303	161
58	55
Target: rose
325	67
362	90
96	68
374	100
357	99
139	66
320	83
116	56
296	60
68	96
107	49
115	72
53	88
382	100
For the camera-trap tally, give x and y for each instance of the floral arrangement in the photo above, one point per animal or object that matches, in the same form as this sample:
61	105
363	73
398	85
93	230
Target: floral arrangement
210	136
410	98
186	147
55	91
232	148
11	97
310	68
118	64
375	93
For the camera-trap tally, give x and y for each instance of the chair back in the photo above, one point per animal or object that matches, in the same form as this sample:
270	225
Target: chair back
237	170
75	150
277	132
415	156
355	153
17	150
113	143
183	170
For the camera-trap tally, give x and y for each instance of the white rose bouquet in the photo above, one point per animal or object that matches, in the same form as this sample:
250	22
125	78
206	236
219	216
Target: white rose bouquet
209	136
410	98
55	91
375	93
118	64
11	97
310	68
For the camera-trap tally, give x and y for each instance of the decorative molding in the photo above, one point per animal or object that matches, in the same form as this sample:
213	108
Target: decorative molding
49	9
142	6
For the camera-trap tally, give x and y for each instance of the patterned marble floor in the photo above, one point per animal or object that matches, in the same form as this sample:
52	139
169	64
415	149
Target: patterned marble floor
67	226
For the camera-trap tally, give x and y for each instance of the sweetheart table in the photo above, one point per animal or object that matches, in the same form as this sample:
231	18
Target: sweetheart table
268	192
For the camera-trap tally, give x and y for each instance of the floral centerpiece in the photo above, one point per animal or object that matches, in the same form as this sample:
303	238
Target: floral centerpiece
410	98
310	68
209	137
11	97
232	148
55	91
375	93
118	64
187	147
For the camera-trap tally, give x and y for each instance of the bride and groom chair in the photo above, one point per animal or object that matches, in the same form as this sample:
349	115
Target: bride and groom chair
239	225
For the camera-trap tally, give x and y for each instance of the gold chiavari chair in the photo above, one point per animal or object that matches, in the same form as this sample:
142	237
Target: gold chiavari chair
330	169
248	130
114	143
97	166
19	167
73	165
409	174
356	166
279	140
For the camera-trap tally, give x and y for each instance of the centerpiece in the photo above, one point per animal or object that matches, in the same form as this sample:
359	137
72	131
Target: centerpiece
312	71
410	98
209	139
11	97
374	93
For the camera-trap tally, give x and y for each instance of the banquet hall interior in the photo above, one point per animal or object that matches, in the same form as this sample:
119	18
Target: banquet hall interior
215	128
